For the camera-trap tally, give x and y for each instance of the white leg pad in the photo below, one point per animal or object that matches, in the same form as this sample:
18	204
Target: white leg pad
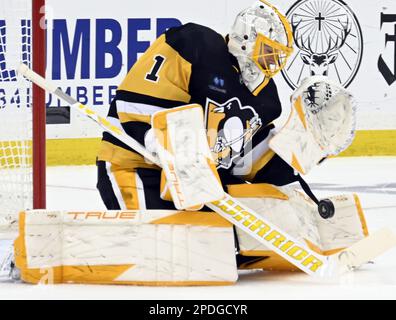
126	247
297	215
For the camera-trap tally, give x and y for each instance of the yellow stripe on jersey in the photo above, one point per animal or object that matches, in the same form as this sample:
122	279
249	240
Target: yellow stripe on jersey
126	117
122	157
172	77
261	86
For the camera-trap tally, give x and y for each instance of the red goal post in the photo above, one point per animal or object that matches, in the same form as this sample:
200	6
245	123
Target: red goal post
38	103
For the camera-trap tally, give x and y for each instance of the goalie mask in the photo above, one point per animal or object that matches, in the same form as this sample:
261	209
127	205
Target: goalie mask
261	40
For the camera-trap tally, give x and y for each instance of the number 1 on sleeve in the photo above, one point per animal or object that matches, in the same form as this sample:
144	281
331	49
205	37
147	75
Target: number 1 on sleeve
153	74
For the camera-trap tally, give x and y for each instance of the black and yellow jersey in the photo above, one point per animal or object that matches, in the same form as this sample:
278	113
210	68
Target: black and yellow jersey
192	64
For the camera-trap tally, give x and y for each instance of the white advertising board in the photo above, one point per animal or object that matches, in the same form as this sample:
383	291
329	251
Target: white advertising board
91	44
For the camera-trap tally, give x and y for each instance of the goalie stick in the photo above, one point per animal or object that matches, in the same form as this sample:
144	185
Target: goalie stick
243	217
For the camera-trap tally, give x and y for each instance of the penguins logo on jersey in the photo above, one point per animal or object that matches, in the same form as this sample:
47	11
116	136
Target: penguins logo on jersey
230	126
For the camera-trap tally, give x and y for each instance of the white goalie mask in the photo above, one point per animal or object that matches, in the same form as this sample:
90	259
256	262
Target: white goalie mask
261	40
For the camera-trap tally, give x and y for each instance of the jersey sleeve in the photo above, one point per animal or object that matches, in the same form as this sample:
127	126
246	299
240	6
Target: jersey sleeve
158	80
161	72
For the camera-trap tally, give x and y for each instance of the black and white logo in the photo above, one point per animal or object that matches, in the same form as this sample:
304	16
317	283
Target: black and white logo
230	127
327	40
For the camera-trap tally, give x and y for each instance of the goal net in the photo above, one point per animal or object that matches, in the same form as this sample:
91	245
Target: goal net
16	112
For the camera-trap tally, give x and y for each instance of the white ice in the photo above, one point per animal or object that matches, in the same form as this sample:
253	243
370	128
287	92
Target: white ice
374	179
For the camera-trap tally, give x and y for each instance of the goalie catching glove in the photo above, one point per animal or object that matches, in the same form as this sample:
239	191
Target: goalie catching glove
321	124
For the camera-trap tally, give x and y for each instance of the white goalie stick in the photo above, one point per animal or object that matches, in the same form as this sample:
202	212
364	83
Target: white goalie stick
246	219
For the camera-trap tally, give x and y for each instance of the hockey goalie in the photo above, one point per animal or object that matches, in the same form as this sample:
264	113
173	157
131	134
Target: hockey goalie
196	246
197	181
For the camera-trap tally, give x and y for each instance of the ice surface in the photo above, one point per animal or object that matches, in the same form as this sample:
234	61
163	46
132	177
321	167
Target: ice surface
374	179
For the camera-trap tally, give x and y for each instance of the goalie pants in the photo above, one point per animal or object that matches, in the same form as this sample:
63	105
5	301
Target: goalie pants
125	188
130	188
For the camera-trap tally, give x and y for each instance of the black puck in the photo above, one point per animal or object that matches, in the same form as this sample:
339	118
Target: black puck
326	208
